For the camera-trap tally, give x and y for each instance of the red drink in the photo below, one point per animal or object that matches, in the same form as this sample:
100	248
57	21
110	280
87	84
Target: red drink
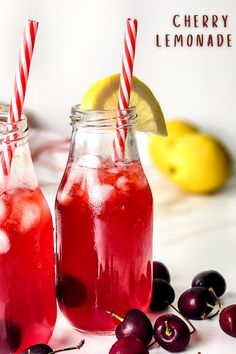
104	241
27	292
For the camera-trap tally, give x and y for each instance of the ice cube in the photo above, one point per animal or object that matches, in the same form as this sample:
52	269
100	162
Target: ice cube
27	215
75	176
30	216
65	197
5	244
122	182
3	211
62	197
113	170
90	161
100	193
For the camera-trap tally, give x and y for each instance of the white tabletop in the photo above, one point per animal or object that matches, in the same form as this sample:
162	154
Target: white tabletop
191	233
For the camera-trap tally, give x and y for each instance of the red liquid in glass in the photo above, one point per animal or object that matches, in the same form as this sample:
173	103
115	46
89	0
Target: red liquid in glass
27	286
104	241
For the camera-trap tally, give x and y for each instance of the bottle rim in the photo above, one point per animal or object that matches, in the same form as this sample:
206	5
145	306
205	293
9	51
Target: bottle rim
103	118
12	132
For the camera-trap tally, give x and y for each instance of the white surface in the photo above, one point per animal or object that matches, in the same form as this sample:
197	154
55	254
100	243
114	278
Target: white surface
80	41
191	234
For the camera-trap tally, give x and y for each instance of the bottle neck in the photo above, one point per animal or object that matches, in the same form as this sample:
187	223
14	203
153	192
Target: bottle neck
95	132
15	133
14	139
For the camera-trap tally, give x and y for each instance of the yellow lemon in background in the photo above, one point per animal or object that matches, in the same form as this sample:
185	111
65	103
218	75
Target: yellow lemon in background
177	128
160	147
199	163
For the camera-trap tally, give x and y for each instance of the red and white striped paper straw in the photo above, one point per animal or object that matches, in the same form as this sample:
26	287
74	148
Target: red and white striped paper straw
20	84
125	85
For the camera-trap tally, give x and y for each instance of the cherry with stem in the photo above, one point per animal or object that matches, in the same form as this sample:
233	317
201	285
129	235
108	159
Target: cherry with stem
78	346
45	349
178	339
197	303
135	324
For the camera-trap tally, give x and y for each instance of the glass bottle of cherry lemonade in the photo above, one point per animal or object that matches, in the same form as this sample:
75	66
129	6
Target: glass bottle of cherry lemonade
104	224
27	277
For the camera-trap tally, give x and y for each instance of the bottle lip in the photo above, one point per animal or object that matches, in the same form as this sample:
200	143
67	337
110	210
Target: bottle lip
14	131
103	117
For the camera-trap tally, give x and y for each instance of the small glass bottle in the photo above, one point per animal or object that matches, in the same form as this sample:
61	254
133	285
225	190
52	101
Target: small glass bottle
27	277
104	214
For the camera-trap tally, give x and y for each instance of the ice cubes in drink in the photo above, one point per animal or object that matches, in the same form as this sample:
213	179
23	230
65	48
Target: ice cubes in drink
4	242
3	210
89	161
99	194
26	214
75	177
30	216
113	170
122	183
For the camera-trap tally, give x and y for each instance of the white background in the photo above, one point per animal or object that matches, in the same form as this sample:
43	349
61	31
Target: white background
80	41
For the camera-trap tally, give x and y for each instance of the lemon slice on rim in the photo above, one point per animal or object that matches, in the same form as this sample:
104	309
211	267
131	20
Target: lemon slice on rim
103	94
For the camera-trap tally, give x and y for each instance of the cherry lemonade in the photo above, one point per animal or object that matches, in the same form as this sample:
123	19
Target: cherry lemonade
27	294
104	234
104	231
104	223
27	275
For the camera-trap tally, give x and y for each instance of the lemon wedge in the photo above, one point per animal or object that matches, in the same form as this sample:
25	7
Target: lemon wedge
103	94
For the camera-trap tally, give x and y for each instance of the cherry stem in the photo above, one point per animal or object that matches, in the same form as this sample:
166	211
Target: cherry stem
115	315
185	319
209	305
168	330
78	346
216	297
151	344
212	291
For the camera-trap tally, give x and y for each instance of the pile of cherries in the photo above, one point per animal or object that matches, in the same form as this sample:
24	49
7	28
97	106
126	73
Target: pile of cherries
172	332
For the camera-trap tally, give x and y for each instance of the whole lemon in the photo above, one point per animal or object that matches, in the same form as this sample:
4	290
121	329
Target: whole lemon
199	163
159	147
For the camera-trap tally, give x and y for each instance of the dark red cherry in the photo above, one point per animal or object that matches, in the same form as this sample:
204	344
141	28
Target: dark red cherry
162	295
210	279
196	303
171	333
70	291
129	345
135	324
38	349
227	320
10	337
160	271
